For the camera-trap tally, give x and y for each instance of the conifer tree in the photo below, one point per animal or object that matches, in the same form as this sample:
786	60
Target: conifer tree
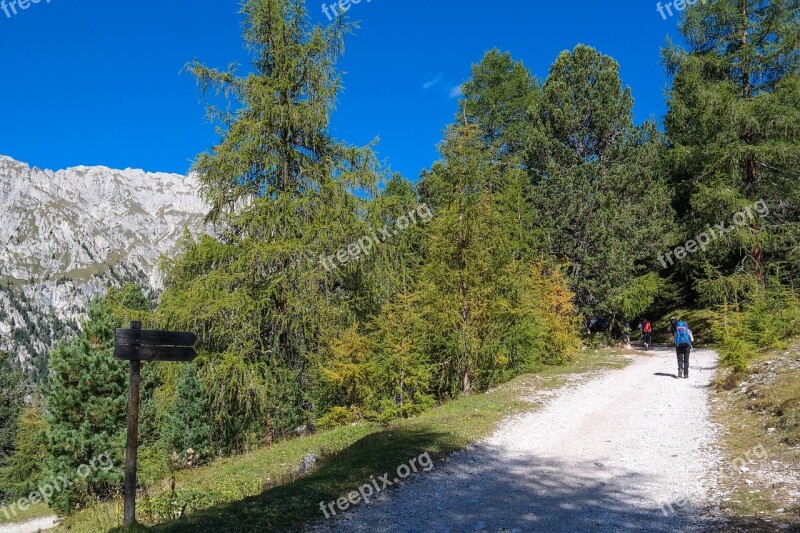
401	369
734	132
22	471
473	286
502	98
598	191
11	405
86	399
261	293
188	433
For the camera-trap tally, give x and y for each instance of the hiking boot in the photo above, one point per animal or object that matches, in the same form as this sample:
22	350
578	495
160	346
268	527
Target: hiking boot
686	376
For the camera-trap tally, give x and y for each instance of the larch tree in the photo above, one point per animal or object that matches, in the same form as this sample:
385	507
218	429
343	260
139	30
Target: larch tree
260	292
734	132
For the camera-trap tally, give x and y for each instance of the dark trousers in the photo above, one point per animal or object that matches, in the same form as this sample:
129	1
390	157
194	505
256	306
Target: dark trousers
683	360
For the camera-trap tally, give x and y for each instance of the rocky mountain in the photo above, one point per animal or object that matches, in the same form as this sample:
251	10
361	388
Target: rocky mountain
66	236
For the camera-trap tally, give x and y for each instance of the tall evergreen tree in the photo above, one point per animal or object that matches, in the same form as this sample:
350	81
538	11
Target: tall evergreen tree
281	193
502	98
734	132
598	192
479	328
86	398
401	368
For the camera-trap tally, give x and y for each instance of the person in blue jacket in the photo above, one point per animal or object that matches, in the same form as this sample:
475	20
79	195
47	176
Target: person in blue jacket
683	344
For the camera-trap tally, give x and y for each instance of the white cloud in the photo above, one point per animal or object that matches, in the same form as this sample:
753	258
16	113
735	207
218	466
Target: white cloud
456	92
430	84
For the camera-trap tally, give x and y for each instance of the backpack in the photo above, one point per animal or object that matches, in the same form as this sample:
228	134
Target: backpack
682	336
647	327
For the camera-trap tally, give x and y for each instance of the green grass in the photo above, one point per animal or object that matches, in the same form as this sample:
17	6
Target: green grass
256	491
34	511
700	321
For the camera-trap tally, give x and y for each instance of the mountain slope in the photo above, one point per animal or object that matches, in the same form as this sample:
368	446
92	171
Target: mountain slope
68	235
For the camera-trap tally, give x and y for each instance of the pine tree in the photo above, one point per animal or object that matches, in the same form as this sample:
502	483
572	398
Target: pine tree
502	98
86	399
598	189
187	434
345	370
734	132
478	328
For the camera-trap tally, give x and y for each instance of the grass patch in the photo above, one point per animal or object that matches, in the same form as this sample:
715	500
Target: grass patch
760	407
258	492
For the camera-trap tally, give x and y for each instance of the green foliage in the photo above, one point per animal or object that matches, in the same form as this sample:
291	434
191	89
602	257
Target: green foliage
11	405
599	193
338	416
128	304
481	315
401	367
86	399
734	130
281	192
22	471
768	320
188	435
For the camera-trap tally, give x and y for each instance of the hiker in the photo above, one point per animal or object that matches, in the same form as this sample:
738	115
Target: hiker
683	344
647	334
673	324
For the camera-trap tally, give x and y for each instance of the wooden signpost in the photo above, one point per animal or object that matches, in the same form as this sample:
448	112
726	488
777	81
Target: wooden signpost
137	345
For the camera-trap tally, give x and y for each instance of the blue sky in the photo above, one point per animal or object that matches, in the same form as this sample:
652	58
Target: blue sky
99	82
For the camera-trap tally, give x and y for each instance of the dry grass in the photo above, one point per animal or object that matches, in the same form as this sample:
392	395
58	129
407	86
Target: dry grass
760	410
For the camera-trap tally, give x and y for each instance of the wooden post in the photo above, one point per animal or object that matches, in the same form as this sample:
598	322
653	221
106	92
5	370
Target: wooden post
132	449
136	345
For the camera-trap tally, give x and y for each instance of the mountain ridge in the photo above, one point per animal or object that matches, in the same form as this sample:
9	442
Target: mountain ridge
68	235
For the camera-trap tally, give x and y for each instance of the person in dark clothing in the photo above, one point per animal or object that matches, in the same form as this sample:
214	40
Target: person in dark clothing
673	324
683	344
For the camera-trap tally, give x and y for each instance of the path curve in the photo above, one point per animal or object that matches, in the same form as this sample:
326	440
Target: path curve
609	454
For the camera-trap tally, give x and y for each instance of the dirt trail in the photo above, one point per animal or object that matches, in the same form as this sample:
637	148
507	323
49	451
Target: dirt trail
609	454
31	526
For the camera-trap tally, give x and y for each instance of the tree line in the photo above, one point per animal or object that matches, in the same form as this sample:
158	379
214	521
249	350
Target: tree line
549	204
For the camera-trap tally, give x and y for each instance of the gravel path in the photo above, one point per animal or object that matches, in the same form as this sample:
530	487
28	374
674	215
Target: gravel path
32	526
608	454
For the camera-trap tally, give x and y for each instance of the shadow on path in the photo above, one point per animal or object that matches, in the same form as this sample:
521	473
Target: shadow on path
528	493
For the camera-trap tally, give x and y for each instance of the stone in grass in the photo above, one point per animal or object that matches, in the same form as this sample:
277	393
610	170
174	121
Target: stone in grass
307	464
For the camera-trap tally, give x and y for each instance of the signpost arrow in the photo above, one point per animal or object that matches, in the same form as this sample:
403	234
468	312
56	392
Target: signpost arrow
137	345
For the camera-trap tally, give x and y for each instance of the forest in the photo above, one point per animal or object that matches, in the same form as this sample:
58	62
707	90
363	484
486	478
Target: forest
333	291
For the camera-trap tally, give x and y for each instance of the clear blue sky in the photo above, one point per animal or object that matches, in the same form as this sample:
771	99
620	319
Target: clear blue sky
99	82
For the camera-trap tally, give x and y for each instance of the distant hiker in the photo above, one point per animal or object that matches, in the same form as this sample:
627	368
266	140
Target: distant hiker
647	334
683	344
673	324
626	333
